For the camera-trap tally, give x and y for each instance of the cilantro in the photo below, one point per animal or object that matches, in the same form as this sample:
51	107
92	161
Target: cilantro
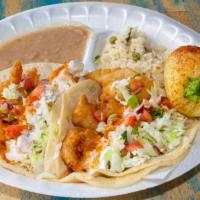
124	136
157	113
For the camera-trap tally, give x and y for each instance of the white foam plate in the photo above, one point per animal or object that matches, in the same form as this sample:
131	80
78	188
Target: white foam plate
103	18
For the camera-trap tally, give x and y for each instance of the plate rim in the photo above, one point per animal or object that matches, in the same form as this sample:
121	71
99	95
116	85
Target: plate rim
120	191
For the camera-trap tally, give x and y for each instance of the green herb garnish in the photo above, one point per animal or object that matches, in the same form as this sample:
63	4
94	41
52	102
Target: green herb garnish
157	113
136	56
192	89
96	58
124	136
133	101
113	39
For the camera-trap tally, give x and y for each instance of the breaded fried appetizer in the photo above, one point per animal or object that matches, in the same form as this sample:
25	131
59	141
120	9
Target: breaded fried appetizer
77	145
182	80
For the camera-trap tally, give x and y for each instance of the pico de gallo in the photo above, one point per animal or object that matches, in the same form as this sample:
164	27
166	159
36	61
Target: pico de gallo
134	121
26	101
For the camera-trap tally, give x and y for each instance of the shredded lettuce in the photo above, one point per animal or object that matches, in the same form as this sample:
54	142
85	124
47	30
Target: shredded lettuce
164	133
11	92
38	147
121	86
164	130
149	138
110	159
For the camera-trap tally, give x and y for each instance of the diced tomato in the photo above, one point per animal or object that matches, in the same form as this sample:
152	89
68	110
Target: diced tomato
28	83
134	146
98	115
132	121
17	110
118	121
36	93
13	131
146	116
136	85
165	101
2	145
56	73
124	108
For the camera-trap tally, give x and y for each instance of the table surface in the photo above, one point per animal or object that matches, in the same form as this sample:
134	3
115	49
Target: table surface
186	187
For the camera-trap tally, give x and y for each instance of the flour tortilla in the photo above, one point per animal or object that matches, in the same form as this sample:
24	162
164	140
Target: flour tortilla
45	70
103	178
135	174
61	118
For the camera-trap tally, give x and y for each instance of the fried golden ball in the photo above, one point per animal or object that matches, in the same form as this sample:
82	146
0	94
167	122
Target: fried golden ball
182	67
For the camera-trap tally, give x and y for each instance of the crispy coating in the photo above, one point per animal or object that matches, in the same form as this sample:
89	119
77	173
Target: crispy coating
16	72
108	104
111	106
182	64
147	84
110	92
33	74
77	145
83	114
105	76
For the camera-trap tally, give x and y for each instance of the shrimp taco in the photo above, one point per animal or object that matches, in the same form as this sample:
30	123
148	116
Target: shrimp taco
119	127
27	96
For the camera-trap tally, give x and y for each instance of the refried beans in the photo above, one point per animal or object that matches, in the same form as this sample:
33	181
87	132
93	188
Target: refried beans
57	44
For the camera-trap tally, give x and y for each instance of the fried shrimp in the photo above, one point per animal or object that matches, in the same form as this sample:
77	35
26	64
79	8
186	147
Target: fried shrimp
16	72
33	74
108	104
105	76
83	114
182	80
77	146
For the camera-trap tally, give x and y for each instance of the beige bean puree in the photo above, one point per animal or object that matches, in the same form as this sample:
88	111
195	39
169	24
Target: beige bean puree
57	44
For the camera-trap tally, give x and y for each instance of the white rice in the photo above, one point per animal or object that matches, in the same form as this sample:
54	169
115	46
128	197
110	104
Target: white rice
120	54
